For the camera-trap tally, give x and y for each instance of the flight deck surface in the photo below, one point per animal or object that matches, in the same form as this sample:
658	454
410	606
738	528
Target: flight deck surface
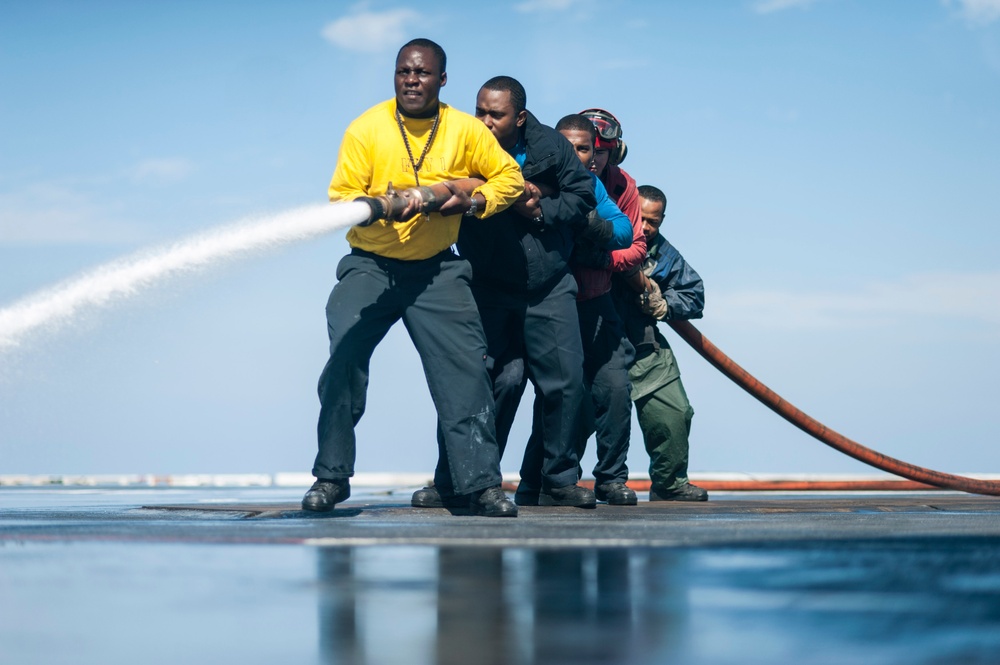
156	575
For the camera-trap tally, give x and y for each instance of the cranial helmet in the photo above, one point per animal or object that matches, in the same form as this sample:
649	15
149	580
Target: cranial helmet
609	134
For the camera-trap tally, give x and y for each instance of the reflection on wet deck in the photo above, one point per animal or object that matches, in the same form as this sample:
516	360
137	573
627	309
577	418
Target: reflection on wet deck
920	602
154	576
464	605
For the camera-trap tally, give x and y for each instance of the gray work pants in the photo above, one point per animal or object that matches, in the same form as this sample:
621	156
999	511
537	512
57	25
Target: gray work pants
434	300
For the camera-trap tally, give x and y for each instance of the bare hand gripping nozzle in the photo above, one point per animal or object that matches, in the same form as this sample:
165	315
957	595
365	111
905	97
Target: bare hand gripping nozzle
391	205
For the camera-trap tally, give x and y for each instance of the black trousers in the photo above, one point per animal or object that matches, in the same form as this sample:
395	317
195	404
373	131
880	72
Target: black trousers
607	407
536	337
434	300
607	356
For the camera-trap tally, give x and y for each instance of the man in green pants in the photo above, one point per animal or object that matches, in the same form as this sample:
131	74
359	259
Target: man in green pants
675	291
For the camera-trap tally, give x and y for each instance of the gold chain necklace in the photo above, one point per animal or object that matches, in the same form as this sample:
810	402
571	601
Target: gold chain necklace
409	151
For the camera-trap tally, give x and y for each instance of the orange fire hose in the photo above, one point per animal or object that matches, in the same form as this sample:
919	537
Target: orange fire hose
813	427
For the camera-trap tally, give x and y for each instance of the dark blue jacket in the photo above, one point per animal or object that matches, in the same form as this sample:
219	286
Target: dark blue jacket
511	252
681	286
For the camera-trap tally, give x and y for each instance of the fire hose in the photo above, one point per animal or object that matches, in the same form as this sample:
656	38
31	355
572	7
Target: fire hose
390	206
813	427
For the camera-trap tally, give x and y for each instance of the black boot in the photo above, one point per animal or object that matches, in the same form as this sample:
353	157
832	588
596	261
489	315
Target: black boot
616	494
571	495
325	494
429	497
686	492
492	502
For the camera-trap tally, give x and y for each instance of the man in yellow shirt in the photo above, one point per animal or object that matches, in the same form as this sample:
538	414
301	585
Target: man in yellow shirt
407	270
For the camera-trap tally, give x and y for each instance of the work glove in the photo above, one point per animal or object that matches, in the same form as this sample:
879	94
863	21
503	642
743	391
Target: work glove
597	230
652	303
588	255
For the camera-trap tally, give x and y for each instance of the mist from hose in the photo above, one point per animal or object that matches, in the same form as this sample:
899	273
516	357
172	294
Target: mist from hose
118	280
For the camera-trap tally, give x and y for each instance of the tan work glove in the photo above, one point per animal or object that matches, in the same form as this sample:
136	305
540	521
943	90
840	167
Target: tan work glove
652	303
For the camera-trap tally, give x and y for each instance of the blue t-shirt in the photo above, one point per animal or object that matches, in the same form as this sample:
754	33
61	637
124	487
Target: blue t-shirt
606	208
519	152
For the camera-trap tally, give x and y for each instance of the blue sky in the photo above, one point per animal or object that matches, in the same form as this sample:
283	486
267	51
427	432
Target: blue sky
831	169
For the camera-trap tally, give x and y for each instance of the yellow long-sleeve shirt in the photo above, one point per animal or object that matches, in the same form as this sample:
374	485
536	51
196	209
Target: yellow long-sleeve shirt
373	154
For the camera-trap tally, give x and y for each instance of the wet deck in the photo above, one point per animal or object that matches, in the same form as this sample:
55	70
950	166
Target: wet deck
243	575
219	516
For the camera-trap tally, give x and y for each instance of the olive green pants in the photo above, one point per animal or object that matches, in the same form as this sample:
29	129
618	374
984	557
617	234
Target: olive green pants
664	415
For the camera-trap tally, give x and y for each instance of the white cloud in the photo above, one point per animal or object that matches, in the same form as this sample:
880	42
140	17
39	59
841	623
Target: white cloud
977	12
769	6
537	6
371	32
161	170
911	299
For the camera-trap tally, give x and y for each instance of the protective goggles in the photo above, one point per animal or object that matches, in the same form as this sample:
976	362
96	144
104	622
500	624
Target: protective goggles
606	125
606	129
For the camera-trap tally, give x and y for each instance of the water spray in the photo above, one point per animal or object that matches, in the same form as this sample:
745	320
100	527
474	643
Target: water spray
122	278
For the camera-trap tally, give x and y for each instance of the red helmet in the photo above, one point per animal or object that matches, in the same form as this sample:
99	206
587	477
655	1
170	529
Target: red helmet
609	134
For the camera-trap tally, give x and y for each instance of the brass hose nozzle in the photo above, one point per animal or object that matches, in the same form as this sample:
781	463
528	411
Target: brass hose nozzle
389	206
